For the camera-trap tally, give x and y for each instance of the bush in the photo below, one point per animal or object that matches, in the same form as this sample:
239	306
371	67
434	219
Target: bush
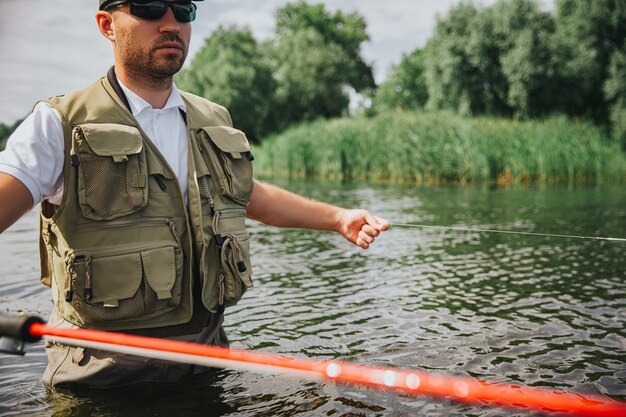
437	148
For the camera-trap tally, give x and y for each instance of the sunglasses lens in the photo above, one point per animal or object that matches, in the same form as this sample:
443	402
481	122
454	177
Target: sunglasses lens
153	10
184	13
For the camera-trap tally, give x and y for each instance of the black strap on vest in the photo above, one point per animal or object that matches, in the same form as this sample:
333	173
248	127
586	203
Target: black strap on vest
120	92
117	88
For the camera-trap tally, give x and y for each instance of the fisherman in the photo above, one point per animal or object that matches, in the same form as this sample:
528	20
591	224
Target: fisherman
144	191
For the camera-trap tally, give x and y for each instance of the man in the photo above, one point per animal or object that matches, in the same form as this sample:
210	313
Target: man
144	192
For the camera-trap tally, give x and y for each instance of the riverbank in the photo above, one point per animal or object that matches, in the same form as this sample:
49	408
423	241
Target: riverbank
439	148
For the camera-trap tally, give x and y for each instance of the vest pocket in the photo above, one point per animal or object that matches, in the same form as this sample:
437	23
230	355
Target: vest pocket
236	275
105	285
225	263
227	154
112	170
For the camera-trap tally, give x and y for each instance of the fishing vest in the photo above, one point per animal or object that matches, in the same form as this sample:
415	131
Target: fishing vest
123	250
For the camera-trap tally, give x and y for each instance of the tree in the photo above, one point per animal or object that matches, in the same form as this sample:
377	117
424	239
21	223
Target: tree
347	31
406	86
615	91
231	70
524	33
316	59
588	33
494	60
453	81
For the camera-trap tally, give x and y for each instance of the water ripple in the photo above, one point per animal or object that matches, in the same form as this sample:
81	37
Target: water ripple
540	312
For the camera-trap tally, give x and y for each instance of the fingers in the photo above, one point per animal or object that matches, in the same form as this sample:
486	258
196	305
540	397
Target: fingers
384	224
361	227
369	230
366	236
376	222
361	243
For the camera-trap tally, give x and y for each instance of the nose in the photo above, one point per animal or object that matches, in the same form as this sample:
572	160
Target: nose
168	22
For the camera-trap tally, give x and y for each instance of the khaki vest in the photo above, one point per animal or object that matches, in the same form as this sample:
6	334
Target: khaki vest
120	251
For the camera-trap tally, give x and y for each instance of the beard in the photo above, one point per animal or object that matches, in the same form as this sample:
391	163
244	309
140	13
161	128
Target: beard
147	64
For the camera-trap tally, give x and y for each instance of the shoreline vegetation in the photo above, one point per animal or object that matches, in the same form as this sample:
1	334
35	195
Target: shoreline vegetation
477	103
440	148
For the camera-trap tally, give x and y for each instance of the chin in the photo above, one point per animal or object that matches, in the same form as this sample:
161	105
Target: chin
166	70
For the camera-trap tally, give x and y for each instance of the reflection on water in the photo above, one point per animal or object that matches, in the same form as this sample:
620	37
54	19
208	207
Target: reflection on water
521	309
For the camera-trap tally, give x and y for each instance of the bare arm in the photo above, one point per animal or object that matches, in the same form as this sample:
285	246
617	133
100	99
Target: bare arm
15	200
277	207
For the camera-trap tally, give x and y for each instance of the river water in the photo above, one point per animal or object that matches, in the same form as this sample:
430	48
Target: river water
539	311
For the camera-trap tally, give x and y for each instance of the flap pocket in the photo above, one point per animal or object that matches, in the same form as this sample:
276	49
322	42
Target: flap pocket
115	278
111	284
226	152
108	139
228	140
160	269
112	170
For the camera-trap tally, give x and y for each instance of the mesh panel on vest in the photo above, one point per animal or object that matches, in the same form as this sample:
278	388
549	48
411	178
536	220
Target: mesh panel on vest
111	187
144	301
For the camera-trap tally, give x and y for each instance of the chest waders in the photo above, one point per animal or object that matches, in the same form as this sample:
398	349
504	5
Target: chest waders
120	251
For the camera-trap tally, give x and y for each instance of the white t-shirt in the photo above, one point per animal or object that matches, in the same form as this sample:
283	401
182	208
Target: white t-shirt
34	153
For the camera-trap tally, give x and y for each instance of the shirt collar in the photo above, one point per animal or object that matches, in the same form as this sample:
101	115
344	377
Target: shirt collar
138	104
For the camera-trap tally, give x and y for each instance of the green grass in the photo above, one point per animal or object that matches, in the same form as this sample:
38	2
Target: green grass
436	148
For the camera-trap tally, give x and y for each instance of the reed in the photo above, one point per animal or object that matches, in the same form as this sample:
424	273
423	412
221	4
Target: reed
436	148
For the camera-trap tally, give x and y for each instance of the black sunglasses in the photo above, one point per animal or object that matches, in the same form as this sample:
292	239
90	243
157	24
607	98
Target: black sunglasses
156	9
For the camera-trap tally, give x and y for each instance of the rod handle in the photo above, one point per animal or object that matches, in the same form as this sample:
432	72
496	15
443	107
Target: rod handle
18	327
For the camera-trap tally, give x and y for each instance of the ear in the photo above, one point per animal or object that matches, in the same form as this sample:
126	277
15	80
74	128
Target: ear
106	25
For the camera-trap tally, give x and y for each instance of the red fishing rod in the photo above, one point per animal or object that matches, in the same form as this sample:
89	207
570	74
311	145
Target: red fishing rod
22	329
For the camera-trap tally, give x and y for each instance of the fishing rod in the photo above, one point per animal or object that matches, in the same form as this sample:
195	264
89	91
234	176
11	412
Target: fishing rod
409	382
510	232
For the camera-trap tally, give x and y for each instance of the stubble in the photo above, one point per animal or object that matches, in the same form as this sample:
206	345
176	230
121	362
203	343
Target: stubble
146	64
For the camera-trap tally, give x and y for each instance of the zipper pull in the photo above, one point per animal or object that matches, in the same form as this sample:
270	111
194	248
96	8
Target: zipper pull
159	181
220	293
73	155
172	225
219	239
88	290
69	286
241	265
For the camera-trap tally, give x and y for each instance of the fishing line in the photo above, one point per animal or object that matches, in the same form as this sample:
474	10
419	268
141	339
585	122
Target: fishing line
509	232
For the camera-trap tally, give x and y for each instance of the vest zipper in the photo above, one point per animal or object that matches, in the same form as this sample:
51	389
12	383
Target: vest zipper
123	250
207	192
116	224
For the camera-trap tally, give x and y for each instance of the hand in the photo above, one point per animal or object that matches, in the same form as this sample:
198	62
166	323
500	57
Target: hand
360	226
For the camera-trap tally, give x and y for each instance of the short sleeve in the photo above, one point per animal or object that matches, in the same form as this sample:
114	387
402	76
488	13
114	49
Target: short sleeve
34	153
